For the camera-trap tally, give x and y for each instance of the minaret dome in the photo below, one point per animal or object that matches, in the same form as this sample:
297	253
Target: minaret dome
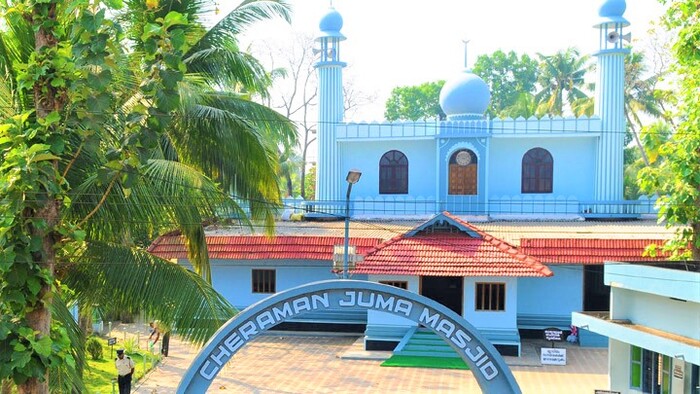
612	11
331	23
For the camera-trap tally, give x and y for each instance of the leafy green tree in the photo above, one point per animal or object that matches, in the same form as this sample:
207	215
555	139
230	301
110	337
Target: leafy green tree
632	164
641	96
310	183
510	77
101	141
419	102
525	105
561	79
290	166
677	177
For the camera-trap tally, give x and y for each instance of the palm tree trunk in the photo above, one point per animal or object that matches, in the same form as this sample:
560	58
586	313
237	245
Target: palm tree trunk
6	387
39	318
695	238
85	319
303	171
46	100
637	141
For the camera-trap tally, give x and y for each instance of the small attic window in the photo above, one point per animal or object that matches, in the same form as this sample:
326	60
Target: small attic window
440	227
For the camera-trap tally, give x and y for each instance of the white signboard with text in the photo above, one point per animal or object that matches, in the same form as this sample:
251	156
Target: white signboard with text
552	356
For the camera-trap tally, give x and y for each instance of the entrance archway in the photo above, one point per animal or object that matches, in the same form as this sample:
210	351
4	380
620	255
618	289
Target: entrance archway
491	372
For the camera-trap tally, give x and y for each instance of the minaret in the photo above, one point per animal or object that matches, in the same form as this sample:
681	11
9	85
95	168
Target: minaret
330	108
609	102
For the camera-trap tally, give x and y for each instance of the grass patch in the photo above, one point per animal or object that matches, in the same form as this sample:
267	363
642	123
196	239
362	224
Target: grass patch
425	362
98	374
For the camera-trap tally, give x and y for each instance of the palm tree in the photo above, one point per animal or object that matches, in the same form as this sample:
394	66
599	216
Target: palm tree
525	105
218	144
640	97
561	78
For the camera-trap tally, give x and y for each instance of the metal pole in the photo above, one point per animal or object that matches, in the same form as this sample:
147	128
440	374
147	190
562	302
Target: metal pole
347	232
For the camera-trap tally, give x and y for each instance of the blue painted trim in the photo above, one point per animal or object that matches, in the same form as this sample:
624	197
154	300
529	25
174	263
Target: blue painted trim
328	64
613	51
489	369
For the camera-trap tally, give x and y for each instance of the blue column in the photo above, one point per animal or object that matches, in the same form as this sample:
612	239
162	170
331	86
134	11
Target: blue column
330	114
330	106
610	105
609	102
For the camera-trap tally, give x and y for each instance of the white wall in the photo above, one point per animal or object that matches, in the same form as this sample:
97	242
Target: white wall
619	366
377	318
491	320
234	282
662	313
574	165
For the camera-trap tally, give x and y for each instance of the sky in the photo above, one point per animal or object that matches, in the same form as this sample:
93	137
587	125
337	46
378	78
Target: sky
407	42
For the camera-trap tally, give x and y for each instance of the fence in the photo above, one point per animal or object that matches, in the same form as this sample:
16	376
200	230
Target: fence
519	205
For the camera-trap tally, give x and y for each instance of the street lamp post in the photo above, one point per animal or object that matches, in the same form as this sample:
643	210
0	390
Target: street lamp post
352	178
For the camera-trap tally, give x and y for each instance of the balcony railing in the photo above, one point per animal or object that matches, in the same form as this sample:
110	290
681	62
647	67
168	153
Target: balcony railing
527	206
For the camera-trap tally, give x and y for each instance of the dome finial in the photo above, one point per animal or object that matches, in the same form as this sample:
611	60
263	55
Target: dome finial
466	43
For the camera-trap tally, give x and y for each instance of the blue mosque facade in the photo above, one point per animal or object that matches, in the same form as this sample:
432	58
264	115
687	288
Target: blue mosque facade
471	165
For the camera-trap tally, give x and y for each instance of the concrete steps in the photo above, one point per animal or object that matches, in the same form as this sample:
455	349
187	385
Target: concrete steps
424	343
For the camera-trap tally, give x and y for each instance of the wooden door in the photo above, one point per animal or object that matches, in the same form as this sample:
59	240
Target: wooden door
463	179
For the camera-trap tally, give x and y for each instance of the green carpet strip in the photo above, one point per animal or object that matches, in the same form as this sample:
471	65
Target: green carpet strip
425	362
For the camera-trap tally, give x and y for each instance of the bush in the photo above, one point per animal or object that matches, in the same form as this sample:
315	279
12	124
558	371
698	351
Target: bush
130	346
94	347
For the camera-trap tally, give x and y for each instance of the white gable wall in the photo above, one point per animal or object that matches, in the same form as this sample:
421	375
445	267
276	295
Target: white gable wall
491	320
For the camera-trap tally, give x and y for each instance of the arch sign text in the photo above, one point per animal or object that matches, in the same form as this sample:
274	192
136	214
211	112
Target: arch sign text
487	365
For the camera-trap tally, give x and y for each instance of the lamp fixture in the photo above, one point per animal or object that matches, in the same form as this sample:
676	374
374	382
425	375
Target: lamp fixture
353	176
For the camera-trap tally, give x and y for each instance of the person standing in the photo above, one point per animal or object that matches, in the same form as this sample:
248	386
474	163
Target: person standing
125	370
154	336
165	344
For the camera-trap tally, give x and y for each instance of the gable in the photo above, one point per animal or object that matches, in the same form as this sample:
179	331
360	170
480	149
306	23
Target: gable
448	246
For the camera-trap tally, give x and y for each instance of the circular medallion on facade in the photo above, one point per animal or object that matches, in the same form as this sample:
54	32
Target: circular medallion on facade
463	158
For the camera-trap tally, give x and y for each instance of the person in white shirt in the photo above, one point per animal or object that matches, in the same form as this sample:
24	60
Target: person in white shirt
125	370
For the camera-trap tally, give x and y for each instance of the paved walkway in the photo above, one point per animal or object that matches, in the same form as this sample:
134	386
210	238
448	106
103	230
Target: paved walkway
283	364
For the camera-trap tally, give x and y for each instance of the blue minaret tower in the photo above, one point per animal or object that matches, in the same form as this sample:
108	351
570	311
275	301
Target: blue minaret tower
609	102
330	109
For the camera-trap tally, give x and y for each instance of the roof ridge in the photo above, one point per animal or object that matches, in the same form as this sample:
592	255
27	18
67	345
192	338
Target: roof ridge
506	247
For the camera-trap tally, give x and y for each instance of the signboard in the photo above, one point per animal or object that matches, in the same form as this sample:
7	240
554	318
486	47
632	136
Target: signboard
553	334
487	365
678	371
552	356
111	341
606	392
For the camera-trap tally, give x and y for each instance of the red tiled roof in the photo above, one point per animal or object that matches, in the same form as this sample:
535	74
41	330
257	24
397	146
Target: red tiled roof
588	251
260	247
450	254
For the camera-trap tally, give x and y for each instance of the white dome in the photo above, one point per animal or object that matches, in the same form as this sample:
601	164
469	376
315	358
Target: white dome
466	94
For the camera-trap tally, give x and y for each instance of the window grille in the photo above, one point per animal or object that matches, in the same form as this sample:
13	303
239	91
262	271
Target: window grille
264	281
490	297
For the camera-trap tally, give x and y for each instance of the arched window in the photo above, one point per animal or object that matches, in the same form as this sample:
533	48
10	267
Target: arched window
463	173
393	173
538	170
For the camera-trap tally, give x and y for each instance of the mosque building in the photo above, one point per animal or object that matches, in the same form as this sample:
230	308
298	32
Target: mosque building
507	236
470	165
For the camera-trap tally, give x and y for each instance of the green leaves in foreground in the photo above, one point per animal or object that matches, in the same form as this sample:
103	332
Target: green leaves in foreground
133	279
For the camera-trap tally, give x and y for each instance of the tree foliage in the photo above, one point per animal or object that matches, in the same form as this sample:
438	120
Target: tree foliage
676	178
510	76
561	81
115	127
421	102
